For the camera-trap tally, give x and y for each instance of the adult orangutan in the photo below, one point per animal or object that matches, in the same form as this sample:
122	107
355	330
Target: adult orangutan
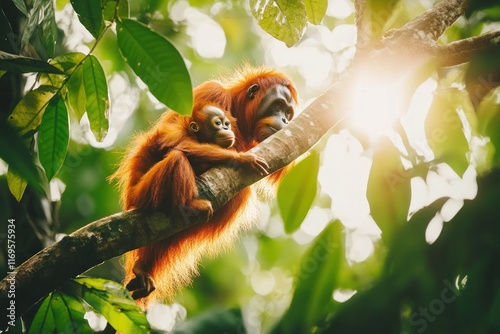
263	102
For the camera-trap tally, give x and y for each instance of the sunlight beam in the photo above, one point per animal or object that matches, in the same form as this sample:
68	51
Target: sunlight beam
376	103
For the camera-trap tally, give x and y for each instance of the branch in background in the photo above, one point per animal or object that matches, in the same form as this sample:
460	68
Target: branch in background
434	22
421	34
462	51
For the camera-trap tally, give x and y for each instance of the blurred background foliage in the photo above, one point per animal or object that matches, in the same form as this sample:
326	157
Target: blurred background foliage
435	274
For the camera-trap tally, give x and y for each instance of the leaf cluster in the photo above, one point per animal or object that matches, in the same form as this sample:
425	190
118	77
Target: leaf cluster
74	85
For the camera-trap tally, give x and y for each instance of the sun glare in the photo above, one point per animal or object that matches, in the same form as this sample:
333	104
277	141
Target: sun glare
375	105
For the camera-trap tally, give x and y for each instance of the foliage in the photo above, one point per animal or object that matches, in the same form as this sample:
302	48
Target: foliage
79	84
410	283
62	311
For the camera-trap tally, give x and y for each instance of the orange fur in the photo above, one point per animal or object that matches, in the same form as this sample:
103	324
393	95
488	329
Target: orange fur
153	177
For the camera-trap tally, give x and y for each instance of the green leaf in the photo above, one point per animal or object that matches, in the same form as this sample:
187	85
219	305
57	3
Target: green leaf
14	152
406	253
316	280
158	63
48	27
90	15
34	18
316	10
28	113
60	313
284	20
18	64
21	6
71	65
75	98
96	97
53	138
297	192
444	129
65	64
17	185
389	188
215	321
113	301
44	321
376	310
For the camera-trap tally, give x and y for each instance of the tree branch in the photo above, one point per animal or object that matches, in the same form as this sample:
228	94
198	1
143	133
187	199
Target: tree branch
434	22
420	34
461	51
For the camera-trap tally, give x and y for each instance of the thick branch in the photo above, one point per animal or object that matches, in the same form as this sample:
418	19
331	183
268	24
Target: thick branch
463	50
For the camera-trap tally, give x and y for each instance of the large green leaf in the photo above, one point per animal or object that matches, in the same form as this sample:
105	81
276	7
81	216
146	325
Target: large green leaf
90	15
389	188
297	192
28	113
316	10
316	280
14	152
215	321
158	63
114	302
75	97
406	253
53	136
380	305
96	97
444	129
284	20
60	313
18	64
